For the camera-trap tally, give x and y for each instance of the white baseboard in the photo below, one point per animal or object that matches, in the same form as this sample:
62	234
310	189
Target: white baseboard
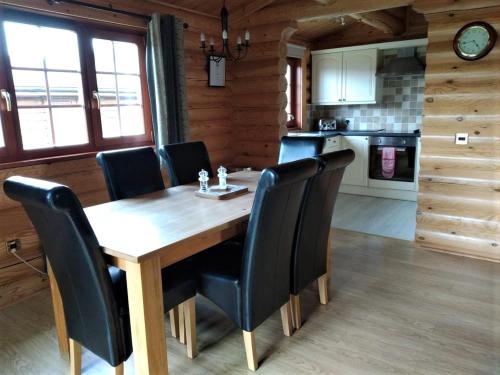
382	193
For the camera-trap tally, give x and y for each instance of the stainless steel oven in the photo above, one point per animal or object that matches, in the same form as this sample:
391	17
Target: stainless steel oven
393	158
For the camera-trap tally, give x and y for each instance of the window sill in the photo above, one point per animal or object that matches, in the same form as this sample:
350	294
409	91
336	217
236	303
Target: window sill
60	158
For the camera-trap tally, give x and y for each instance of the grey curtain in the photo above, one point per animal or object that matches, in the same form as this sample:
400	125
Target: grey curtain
166	78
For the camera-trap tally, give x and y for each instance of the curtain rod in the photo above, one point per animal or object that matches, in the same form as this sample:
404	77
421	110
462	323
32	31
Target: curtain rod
100	7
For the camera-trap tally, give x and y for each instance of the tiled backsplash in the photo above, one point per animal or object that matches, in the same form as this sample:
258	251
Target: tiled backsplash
400	108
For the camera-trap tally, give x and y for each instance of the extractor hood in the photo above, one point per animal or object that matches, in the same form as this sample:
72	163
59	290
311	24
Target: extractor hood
406	62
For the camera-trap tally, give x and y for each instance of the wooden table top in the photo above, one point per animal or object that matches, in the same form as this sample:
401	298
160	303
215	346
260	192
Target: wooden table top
161	222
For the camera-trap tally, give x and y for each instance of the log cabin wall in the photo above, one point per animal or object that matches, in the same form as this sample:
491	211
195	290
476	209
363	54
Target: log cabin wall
259	96
459	195
209	114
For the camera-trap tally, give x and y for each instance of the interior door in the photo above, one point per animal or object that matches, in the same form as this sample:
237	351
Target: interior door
327	78
359	75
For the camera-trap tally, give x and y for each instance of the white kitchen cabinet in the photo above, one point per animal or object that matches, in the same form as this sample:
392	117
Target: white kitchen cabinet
360	82
327	78
344	77
357	172
332	144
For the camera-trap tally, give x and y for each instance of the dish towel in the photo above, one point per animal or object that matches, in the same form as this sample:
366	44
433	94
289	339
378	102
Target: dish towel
388	161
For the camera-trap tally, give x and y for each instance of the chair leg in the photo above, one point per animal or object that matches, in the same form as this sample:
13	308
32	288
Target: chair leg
296	312
182	324
75	357
323	289
250	349
286	319
190	324
60	320
174	321
329	255
120	369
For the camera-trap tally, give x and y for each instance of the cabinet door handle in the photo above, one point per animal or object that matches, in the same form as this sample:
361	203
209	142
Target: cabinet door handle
8	102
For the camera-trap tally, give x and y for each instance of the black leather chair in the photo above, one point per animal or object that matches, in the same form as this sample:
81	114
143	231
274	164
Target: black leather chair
296	148
94	295
132	172
312	246
250	281
184	161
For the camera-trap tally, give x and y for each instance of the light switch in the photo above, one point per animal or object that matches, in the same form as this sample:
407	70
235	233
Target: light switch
461	138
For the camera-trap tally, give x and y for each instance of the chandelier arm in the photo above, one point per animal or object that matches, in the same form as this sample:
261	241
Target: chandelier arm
226	52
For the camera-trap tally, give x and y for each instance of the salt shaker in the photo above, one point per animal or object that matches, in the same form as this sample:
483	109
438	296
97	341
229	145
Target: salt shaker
203	180
222	174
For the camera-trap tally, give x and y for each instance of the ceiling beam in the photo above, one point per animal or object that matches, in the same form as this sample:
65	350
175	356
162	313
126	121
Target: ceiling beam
439	6
382	21
173	6
249	9
302	10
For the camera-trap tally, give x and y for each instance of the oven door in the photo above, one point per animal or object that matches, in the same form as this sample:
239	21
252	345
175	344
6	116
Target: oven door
396	162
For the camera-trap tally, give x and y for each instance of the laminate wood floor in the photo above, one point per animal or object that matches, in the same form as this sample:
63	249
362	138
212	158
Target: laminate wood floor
394	309
373	215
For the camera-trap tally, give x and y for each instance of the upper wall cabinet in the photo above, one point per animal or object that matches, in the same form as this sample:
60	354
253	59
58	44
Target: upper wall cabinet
327	78
344	77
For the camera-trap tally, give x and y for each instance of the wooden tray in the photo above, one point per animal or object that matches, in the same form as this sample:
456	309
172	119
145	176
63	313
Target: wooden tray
215	193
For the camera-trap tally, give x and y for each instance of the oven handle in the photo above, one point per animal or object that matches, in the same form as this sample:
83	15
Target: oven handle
398	149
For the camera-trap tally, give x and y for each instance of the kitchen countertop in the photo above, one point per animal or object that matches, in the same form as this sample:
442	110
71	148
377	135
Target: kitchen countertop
334	133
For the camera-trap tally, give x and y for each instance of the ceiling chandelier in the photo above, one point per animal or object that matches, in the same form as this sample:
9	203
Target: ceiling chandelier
240	50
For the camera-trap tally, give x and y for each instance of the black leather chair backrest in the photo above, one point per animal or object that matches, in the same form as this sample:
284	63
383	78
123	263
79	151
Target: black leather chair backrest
132	172
90	308
313	228
268	244
296	148
185	160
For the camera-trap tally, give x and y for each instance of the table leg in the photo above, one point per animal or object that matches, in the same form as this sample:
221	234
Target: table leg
145	299
60	320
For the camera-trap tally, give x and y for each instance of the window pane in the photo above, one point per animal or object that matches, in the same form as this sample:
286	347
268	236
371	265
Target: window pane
106	85
119	86
61	49
44	56
103	55
132	120
30	88
65	88
110	122
35	128
24	44
126	57
70	127
2	141
129	89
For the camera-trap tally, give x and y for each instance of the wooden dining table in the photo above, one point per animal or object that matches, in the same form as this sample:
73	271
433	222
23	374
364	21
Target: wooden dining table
142	235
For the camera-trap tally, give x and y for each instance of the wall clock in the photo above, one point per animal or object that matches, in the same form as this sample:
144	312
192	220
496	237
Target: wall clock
474	41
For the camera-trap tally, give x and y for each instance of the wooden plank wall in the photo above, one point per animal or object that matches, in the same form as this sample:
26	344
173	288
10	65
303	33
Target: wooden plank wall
209	118
259	96
459	197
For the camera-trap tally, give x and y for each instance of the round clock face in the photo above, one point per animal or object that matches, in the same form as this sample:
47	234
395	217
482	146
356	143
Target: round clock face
474	41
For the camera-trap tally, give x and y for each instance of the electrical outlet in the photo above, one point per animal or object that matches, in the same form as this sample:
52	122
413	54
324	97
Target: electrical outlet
461	138
349	121
12	246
